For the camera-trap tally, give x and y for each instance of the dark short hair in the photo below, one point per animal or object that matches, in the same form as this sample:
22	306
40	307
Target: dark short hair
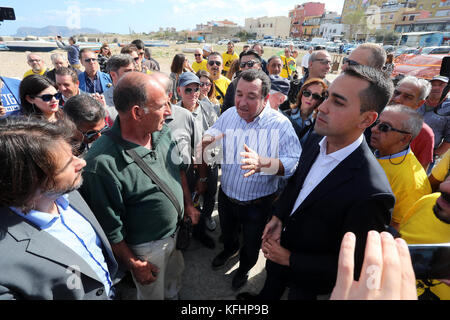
29	160
251	75
66	71
118	61
379	92
128	49
83	109
250	53
32	86
129	93
85	50
139	44
215	54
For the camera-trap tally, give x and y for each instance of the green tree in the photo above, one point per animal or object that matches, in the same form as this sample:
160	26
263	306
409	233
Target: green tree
356	21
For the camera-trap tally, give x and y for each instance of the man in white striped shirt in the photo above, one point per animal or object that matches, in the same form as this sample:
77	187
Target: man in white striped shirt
259	150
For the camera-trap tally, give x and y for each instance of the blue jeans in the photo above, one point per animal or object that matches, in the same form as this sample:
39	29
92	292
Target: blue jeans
252	218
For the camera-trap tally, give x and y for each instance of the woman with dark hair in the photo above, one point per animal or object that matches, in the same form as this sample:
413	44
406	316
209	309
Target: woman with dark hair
103	57
208	90
389	66
39	97
179	65
303	112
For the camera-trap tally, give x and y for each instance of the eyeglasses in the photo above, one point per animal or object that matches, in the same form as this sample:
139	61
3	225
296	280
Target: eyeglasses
385	127
217	63
205	84
49	97
350	62
90	60
90	134
249	64
315	96
190	90
324	61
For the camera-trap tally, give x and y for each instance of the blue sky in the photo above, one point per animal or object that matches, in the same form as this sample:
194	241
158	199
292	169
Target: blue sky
118	16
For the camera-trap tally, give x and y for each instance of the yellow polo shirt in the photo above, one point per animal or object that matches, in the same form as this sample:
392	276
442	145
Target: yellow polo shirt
221	84
408	180
200	66
30	72
423	227
289	66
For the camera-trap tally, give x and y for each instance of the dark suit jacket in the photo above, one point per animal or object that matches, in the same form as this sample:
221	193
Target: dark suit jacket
355	196
35	265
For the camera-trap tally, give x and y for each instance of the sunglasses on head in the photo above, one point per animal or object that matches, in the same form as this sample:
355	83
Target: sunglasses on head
386	127
49	97
190	90
217	63
350	62
90	60
249	64
315	96
92	133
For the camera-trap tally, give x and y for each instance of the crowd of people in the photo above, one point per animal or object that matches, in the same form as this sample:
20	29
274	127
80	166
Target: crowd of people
111	157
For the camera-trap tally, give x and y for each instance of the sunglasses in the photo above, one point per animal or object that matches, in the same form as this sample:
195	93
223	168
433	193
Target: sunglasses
315	96
385	127
136	59
249	64
350	62
49	97
90	134
205	84
90	60
190	90
217	63
324	61
197	54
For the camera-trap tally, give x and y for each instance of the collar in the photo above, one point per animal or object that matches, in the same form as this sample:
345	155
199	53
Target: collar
43	219
343	153
392	156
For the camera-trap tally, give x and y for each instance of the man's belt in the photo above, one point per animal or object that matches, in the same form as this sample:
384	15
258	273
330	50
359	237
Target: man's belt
250	202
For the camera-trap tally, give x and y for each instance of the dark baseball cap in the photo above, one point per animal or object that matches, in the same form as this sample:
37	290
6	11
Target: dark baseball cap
280	84
186	78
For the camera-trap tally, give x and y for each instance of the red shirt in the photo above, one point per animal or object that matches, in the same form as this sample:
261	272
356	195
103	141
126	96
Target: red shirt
423	145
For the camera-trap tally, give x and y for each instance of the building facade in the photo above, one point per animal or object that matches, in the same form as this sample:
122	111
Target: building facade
302	13
277	27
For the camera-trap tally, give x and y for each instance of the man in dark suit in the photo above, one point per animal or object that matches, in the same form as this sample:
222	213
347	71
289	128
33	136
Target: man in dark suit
338	187
52	245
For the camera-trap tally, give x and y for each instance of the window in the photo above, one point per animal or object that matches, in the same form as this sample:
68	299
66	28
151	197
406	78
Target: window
433	5
391	17
404	18
443	13
411	18
444	4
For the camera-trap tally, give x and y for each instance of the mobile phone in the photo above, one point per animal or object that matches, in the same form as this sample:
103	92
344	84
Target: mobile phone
431	261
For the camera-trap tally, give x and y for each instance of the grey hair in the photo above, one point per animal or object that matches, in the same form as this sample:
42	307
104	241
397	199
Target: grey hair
55	56
118	61
415	120
314	55
83	109
378	55
422	84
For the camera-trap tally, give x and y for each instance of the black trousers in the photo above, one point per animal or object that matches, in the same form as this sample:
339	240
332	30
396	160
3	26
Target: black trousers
252	218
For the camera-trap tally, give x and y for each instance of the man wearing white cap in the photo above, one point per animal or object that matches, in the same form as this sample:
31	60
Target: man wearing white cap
435	112
207	49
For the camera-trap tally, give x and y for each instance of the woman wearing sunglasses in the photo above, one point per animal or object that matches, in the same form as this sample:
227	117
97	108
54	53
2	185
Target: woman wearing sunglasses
208	90
39	97
103	56
309	98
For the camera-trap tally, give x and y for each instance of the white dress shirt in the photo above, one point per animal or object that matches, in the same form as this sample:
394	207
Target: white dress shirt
324	164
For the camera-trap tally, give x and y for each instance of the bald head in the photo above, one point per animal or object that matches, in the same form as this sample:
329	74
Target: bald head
135	89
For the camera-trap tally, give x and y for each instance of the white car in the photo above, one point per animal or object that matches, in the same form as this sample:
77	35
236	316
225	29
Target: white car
223	42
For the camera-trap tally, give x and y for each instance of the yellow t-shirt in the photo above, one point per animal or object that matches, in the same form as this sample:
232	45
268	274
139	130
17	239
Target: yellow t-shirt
289	66
423	227
221	84
408	180
200	66
228	60
30	72
441	168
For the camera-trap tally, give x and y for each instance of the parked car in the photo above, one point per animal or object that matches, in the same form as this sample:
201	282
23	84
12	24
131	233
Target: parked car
436	50
223	42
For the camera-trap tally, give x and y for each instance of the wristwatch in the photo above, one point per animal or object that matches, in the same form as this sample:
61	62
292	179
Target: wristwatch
203	179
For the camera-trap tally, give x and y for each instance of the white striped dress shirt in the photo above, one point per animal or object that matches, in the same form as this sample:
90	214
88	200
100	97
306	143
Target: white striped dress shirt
271	135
